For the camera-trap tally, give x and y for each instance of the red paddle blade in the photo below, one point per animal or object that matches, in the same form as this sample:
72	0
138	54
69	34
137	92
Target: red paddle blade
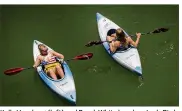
13	71
84	56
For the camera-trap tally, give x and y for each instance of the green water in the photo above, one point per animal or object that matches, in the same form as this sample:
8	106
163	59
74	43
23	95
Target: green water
101	80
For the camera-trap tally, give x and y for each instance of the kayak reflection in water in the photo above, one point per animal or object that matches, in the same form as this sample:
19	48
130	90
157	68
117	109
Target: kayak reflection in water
49	60
118	39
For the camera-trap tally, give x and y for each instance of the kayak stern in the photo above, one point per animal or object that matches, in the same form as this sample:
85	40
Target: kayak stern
72	98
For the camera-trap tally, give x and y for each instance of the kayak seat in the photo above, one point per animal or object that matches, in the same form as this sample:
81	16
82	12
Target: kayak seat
123	48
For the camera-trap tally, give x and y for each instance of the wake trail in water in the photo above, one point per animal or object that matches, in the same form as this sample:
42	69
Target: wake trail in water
140	78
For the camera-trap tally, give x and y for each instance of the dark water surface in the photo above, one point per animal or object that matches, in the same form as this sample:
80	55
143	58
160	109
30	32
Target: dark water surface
101	80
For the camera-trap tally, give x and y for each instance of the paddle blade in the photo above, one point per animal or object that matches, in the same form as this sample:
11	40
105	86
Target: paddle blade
84	56
13	71
93	43
160	30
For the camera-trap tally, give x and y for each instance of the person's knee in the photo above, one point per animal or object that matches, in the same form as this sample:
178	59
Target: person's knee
58	67
108	38
112	50
51	72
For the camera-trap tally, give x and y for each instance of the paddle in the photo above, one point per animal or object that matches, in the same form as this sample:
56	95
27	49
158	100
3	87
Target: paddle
13	71
159	30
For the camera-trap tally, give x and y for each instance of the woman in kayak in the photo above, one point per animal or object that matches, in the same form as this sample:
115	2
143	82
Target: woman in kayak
48	59
118	39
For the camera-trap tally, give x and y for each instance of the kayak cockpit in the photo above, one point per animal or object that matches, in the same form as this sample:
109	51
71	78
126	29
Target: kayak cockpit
120	49
58	77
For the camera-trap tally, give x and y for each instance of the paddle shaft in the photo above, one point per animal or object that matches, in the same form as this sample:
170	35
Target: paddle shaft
130	36
141	34
70	59
59	62
159	30
51	63
75	58
28	68
16	70
22	69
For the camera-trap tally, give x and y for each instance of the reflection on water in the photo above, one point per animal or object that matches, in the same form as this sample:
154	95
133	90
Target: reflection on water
99	69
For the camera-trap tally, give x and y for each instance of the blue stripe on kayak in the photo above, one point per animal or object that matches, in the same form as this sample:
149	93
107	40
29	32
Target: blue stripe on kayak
138	70
99	16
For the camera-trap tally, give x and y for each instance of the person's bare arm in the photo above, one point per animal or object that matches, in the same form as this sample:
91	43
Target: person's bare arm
57	54
135	44
37	62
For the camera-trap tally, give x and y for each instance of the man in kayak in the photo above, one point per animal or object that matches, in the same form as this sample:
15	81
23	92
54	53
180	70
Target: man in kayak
49	60
118	39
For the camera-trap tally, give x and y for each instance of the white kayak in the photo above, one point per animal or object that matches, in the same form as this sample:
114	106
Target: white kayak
64	87
128	58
